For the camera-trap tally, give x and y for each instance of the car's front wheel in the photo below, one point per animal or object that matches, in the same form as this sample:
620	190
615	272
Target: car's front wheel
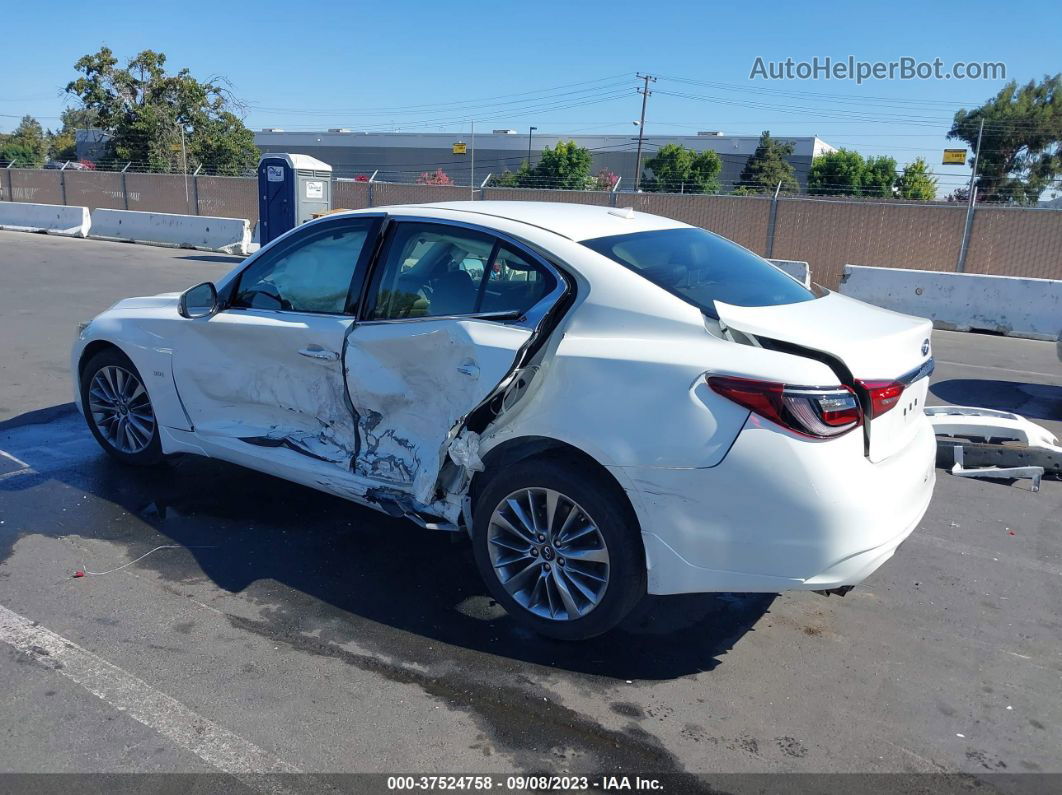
118	409
559	548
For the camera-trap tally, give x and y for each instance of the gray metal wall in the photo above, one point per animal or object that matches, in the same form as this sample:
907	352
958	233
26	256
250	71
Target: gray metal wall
406	163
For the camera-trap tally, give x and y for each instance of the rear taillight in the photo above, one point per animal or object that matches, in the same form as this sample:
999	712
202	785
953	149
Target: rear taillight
810	411
883	395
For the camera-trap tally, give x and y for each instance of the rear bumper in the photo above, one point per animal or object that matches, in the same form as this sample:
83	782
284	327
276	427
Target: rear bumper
780	513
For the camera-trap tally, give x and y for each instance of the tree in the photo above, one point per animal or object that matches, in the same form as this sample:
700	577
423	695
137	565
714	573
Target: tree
26	147
565	166
1020	148
437	177
879	177
145	110
223	144
680	170
959	195
511	179
915	181
768	167
837	173
62	145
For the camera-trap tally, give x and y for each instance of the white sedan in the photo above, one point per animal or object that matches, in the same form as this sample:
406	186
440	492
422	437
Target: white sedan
608	403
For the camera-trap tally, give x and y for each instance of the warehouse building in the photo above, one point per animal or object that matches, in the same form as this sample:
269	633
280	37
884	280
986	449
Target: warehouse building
402	157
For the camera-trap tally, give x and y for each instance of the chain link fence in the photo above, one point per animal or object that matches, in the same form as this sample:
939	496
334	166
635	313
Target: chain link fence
827	233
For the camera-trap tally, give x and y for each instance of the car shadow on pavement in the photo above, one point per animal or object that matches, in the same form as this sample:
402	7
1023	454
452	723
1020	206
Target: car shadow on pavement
379	583
1035	401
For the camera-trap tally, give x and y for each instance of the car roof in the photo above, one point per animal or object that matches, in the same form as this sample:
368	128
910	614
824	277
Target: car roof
573	221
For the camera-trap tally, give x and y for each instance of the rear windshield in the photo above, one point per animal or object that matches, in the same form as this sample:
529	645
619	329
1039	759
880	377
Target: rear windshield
701	268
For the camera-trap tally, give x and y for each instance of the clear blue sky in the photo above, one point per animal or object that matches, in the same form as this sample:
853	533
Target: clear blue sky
330	64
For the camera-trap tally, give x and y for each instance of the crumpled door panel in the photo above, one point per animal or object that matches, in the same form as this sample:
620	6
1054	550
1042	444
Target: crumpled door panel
411	382
241	377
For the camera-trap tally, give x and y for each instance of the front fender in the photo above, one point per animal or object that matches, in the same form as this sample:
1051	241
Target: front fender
151	354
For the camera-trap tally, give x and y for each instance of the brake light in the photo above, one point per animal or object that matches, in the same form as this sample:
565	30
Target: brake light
883	395
820	412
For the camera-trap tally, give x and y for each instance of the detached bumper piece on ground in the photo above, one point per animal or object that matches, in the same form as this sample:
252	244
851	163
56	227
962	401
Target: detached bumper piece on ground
1037	450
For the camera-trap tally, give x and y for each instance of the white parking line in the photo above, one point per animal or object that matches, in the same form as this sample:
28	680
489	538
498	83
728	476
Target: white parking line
994	367
213	744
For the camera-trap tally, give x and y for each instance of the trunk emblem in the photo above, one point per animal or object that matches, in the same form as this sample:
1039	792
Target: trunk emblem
925	347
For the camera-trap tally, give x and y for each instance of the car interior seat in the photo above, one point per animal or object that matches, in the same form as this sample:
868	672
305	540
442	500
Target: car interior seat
453	293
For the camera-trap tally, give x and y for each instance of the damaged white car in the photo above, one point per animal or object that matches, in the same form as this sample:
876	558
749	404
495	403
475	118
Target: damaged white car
608	403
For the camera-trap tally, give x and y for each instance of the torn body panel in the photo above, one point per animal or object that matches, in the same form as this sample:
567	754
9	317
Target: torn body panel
412	383
374	424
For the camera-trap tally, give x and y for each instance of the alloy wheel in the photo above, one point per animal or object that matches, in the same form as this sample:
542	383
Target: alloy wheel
120	409
548	553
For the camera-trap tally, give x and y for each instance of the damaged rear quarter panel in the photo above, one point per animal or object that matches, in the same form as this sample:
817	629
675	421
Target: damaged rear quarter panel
642	401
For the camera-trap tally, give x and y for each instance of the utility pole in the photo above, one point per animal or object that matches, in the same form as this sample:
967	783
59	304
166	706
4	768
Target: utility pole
529	131
645	92
964	247
472	171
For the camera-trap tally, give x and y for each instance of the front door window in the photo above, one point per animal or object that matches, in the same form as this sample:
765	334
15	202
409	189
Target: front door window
311	273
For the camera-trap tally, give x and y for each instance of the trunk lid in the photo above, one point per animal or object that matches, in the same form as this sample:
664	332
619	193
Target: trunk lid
872	343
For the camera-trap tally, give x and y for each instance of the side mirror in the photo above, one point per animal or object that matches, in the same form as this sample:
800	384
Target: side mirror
198	301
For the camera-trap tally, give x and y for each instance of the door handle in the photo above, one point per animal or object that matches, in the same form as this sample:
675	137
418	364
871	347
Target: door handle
469	368
317	352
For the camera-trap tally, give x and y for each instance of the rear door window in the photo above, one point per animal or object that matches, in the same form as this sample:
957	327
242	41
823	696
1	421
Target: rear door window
514	284
436	270
702	268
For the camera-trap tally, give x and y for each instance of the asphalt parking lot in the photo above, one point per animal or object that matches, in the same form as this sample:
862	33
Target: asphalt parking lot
292	631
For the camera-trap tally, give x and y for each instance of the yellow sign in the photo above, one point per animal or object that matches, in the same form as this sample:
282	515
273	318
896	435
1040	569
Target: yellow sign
460	149
954	157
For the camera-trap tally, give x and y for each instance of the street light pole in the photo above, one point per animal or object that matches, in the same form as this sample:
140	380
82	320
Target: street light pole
529	131
964	246
645	92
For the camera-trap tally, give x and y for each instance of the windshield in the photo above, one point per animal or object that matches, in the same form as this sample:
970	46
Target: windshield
701	267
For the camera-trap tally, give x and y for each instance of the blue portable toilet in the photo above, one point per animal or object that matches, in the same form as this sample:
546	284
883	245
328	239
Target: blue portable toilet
291	188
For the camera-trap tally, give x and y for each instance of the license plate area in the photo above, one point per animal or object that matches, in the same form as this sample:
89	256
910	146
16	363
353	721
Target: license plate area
896	428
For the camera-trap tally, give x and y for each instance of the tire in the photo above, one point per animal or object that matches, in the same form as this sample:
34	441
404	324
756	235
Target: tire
532	579
118	409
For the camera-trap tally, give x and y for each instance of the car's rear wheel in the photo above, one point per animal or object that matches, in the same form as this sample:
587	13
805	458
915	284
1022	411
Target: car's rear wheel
118	409
559	549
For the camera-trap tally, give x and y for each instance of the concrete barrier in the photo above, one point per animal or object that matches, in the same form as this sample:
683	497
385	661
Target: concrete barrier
55	219
1011	305
796	268
203	232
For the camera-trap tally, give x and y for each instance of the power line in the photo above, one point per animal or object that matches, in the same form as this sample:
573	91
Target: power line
397	108
748	88
538	108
